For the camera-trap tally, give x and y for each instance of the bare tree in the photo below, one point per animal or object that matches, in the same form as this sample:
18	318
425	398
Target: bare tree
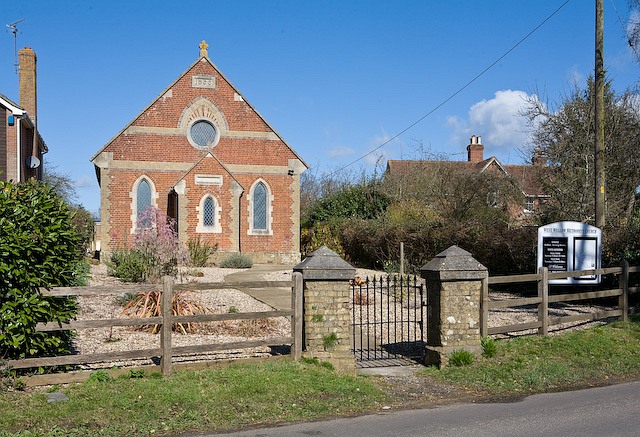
565	137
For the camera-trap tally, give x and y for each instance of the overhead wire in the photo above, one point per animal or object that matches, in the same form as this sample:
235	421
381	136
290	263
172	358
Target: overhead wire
458	91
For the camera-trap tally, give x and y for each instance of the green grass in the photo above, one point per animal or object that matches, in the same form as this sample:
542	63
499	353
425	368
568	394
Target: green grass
211	400
536	364
264	394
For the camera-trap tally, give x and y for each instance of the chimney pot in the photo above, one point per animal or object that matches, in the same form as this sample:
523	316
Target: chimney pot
475	149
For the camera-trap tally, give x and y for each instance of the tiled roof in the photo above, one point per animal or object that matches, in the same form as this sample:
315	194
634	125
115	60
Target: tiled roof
528	177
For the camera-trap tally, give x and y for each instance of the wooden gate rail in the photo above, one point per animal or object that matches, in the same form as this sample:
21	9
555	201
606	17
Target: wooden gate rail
166	351
543	299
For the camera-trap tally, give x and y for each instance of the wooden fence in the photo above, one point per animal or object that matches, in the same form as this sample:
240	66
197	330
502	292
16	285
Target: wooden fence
543	299
165	350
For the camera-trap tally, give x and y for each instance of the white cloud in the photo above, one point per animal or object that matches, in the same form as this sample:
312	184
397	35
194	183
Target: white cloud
340	151
499	121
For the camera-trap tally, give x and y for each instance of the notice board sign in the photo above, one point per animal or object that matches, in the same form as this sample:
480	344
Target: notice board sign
570	246
555	251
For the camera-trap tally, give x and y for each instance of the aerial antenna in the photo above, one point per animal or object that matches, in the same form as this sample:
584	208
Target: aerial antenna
13	28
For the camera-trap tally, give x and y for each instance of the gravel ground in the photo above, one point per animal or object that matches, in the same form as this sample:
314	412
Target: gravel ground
223	301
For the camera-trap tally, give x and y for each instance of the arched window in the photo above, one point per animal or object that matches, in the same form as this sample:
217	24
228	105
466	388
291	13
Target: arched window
208	212
143	203
143	196
260	209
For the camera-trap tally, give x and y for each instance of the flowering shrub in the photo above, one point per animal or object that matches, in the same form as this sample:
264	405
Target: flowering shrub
156	250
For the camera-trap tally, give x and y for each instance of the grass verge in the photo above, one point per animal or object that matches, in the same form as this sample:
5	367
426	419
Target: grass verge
285	391
535	364
211	400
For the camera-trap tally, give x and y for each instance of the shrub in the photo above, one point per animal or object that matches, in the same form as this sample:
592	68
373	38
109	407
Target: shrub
156	251
320	235
236	261
461	358
38	249
159	246
199	252
128	265
489	347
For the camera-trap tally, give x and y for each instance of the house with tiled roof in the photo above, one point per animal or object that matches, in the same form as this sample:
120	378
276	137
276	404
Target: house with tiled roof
527	177
202	153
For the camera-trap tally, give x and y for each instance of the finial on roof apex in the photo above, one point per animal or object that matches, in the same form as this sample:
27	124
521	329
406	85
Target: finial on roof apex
203	49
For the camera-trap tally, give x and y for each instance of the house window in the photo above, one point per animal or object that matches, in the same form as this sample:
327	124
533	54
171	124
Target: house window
203	134
208	215
493	199
260	205
530	203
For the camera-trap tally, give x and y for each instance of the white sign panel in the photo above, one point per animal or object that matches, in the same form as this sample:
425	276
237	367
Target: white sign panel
570	246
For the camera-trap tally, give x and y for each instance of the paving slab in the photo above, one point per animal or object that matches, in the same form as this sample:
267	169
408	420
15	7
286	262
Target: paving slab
277	298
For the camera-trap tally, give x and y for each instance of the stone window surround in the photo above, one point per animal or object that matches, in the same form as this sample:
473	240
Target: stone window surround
216	228
269	230
133	194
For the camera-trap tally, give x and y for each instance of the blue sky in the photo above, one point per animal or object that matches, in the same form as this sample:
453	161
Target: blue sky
335	78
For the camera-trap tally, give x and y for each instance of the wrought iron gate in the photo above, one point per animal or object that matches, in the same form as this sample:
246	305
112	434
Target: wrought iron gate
388	318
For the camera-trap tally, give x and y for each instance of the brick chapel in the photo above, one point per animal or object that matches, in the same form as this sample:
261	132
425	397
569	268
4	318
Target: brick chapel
201	153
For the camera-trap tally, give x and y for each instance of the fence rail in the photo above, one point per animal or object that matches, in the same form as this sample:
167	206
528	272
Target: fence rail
166	350
543	299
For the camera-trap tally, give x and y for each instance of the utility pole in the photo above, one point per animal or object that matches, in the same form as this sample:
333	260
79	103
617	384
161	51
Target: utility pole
599	121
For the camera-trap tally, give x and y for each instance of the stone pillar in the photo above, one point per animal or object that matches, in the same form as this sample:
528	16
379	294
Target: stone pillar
327	309
454	285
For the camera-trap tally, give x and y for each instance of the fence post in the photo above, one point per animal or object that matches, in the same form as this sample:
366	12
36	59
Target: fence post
297	304
167	325
543	306
484	308
623	300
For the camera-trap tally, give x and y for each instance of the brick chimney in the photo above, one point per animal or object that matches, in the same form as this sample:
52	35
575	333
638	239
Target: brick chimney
28	91
475	149
538	158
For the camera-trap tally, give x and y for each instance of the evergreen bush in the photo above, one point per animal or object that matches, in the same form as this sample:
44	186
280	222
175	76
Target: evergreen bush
236	261
38	249
128	265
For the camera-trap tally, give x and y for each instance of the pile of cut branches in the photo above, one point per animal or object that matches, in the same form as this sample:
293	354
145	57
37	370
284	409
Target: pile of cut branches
148	304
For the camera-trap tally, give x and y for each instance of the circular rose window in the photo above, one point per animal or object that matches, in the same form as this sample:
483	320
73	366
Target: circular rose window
203	133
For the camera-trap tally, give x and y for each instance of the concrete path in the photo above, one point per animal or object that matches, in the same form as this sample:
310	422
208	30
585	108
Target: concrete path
278	298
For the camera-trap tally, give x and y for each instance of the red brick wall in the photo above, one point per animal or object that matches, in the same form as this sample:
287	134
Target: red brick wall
167	146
